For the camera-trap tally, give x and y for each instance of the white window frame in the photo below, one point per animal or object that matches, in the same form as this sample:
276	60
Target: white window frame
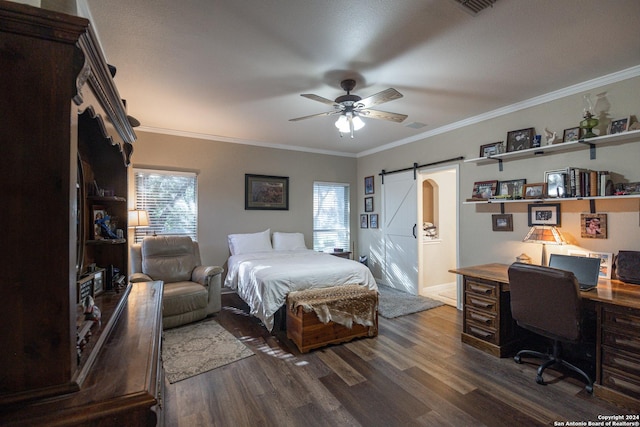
165	217
327	235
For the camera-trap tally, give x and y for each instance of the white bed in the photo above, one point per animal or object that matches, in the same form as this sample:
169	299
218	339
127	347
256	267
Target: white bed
263	275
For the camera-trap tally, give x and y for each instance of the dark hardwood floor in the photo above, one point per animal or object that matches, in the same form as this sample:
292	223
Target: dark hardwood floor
416	372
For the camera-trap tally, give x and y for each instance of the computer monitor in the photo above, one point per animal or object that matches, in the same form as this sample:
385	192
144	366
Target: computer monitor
586	269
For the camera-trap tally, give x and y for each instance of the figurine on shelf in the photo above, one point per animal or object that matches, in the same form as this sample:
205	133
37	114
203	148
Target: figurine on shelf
551	136
105	229
91	310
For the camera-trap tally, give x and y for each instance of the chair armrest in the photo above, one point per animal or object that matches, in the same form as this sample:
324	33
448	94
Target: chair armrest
211	278
139	277
203	274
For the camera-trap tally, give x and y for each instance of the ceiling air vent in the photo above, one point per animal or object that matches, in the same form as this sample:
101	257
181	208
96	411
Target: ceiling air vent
475	6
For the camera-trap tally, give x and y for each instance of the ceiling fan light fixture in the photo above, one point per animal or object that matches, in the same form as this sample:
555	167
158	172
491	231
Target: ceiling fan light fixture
357	122
342	124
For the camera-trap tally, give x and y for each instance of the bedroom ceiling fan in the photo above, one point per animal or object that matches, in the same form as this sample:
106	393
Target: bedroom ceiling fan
352	108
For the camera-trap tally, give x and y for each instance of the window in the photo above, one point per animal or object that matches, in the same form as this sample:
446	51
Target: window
330	216
171	200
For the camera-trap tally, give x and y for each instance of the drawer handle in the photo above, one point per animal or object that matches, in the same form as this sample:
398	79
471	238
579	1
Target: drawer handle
482	304
615	361
481	318
627	342
480	289
480	332
625	384
624	321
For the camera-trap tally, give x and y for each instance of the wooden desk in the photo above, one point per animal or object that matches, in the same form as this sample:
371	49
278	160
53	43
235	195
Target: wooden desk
489	326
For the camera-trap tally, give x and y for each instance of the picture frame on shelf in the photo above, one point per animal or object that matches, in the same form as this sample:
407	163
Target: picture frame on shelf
368	185
593	225
266	192
619	125
502	222
364	221
520	139
483	190
556	183
488	150
512	188
606	263
543	214
571	134
373	221
536	190
98	213
368	204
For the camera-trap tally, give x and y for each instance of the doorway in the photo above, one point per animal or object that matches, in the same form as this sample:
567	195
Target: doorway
438	243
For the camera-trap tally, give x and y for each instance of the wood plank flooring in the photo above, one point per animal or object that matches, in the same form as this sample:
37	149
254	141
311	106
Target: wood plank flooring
417	372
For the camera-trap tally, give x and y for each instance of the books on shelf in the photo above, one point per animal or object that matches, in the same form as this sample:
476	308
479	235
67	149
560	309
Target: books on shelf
579	182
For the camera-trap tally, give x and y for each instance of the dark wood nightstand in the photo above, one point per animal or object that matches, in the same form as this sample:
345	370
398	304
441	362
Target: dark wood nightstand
343	254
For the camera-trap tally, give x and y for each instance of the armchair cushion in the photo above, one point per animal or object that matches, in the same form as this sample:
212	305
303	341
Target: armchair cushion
170	259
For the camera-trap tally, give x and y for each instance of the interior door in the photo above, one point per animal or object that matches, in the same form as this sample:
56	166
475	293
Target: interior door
400	229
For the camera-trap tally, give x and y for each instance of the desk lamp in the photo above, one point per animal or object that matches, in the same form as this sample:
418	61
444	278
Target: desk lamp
138	218
544	235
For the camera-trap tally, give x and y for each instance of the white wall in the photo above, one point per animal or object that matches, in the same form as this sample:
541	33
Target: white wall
478	243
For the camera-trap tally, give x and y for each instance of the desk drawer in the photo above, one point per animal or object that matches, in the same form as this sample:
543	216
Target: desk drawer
621	361
485	334
622	341
627	320
625	384
481	318
486	289
486	305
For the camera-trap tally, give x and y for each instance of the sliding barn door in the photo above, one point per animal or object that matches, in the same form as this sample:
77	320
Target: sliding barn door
400	230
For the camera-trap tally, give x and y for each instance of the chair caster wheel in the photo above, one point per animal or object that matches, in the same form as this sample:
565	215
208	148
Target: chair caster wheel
589	389
517	359
539	379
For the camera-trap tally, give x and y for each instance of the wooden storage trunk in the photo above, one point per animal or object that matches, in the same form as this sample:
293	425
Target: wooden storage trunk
308	332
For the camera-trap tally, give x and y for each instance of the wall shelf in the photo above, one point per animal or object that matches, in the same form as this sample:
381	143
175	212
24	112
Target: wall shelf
551	199
583	144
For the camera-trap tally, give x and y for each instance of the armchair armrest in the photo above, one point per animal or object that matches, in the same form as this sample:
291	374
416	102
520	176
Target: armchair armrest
139	277
211	278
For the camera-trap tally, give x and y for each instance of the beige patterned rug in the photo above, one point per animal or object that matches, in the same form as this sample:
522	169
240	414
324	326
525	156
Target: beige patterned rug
197	348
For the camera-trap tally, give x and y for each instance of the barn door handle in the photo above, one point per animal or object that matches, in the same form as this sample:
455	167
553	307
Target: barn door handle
415	236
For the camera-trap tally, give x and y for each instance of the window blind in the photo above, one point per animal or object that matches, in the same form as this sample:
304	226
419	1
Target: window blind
171	200
331	211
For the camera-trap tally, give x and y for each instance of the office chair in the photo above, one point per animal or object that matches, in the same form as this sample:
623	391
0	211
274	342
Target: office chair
547	301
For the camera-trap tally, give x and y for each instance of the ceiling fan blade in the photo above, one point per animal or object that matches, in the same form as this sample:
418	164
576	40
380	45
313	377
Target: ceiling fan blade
380	97
320	99
382	115
328	113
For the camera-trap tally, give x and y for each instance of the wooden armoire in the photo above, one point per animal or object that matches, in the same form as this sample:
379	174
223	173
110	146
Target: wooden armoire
66	144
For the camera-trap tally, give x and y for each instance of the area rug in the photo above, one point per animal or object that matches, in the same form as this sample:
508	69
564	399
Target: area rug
394	303
197	348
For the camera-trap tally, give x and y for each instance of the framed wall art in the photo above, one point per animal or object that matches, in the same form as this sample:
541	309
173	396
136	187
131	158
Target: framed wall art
484	189
364	221
512	188
544	214
556	183
520	139
593	225
571	134
537	190
373	220
264	192
619	125
368	204
368	185
502	222
488	150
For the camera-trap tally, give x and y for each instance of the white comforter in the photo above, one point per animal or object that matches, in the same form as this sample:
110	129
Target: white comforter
263	279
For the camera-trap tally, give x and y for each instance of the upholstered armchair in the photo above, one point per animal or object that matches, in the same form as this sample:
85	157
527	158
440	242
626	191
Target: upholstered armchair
191	290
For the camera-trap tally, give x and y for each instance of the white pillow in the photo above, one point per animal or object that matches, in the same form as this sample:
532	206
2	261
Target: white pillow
288	241
250	242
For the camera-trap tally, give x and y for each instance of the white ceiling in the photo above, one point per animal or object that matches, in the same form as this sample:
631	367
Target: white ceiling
233	70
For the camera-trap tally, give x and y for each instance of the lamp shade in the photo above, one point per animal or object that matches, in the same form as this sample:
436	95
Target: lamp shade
138	218
544	235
